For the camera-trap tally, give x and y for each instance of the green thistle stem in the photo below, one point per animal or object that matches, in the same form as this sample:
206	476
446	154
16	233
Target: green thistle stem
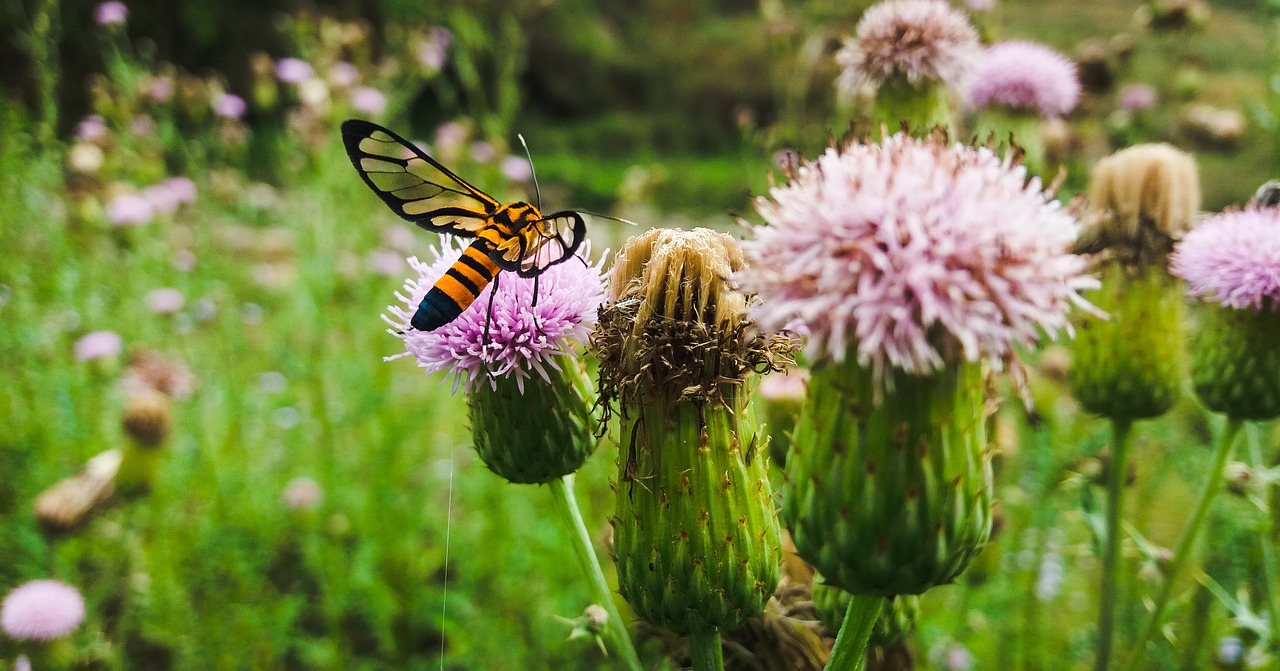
705	650
1121	430
850	650
1270	574
1183	552
615	628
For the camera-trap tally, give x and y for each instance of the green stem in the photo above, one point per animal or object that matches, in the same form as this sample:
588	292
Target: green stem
850	650
1183	553
615	629
1120	433
705	650
1270	573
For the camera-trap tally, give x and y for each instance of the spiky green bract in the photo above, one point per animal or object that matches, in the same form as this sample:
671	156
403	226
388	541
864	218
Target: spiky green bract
896	622
1235	362
696	536
922	105
890	495
533	437
1130	365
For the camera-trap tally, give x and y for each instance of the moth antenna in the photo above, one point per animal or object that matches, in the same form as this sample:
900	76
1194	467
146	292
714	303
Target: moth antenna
533	173
605	216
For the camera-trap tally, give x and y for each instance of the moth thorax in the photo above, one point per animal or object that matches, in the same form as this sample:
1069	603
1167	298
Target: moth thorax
517	215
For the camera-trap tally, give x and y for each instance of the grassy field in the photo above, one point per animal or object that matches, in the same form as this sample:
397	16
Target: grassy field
416	556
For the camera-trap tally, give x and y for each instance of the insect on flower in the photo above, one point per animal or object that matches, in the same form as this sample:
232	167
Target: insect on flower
507	236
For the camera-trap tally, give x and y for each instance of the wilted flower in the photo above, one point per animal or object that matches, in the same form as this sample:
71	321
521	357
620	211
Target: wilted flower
130	209
152	371
301	494
1023	76
293	70
516	168
891	245
165	301
523	339
41	610
1136	98
98	345
368	101
915	39
229	106
110	13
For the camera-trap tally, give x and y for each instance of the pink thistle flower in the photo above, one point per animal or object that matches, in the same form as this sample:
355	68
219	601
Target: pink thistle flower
110	13
163	199
343	74
182	188
516	168
450	135
1233	259
98	345
294	70
41	610
368	100
1136	98
524	339
229	106
918	39
301	494
483	152
91	128
130	209
881	250
433	52
165	301
159	88
1023	76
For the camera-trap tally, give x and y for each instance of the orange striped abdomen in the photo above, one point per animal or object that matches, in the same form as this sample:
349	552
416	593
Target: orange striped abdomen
458	288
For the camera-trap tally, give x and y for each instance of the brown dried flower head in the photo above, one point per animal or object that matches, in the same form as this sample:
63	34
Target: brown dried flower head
1142	200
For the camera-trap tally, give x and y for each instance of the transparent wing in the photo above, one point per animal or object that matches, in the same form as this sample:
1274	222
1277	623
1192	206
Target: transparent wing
414	185
543	243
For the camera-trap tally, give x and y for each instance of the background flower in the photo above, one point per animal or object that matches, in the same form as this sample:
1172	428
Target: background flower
918	39
1233	259
41	610
1023	76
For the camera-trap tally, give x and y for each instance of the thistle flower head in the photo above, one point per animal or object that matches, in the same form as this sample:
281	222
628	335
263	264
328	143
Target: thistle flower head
1233	259
1143	198
915	39
908	248
1023	76
524	338
41	610
1137	98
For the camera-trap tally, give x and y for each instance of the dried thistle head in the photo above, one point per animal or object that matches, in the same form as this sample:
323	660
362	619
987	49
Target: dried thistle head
148	418
675	323
1142	199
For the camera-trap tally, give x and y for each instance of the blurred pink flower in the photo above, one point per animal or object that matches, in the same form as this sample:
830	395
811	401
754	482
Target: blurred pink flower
917	39
1233	258
1136	98
184	260
41	610
980	5
161	198
449	136
22	663
880	249
1023	76
483	152
386	262
130	209
789	385
368	101
294	70
110	13
98	345
433	52
229	106
182	188
343	74
165	301
301	494
524	339
142	126
91	128
158	88
516	168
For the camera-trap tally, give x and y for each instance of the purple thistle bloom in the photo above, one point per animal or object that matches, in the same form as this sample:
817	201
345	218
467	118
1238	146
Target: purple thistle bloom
885	247
1023	76
110	13
1136	98
41	610
368	100
229	106
523	339
918	39
294	70
91	128
343	74
516	168
1233	259
130	209
98	345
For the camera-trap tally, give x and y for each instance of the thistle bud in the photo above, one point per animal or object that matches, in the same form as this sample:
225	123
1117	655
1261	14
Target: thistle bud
696	537
148	421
